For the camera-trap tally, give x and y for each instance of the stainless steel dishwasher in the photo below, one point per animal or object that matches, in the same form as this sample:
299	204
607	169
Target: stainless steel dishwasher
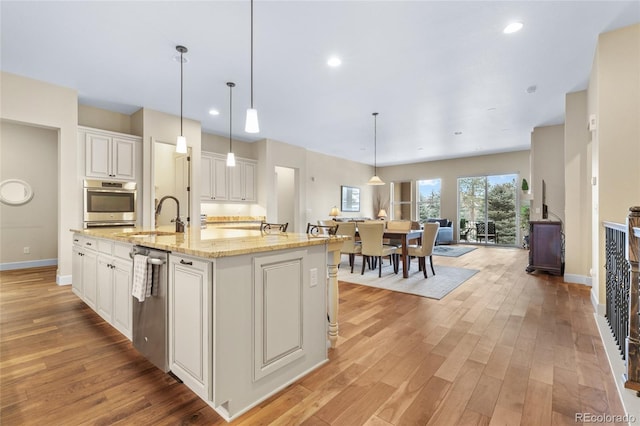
150	317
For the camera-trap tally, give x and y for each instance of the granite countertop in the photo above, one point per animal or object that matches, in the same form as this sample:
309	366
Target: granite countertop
211	242
232	219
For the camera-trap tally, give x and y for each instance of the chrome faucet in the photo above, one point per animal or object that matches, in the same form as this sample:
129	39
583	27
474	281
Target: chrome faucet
179	222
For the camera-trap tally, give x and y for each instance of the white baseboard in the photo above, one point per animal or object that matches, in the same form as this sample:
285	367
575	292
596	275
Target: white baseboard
577	279
599	308
30	264
618	368
63	279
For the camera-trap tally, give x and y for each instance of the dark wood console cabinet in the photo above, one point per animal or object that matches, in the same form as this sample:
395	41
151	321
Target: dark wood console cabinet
546	247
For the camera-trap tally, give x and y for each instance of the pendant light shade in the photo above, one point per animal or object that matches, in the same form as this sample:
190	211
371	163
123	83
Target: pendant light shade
375	180
231	158
181	142
181	145
251	124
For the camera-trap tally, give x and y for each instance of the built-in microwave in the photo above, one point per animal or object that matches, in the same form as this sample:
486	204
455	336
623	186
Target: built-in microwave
108	203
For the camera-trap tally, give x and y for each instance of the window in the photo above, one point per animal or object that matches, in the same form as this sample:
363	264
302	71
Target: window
428	204
487	209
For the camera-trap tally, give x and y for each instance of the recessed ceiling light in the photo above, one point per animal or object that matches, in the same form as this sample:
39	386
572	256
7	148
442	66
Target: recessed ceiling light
513	27
458	133
532	89
214	112
334	61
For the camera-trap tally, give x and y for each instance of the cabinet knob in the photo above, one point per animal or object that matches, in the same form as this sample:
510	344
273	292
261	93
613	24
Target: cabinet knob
183	262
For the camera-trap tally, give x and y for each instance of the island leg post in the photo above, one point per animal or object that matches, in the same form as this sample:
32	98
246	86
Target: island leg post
333	259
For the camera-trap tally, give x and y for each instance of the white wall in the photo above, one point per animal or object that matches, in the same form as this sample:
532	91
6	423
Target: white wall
36	103
30	154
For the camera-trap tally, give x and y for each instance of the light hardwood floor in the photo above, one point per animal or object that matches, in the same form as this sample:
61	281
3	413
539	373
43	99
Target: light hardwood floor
504	348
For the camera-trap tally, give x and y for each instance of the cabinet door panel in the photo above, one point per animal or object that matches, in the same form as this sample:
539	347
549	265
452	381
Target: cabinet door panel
123	155
206	178
122	309
190	323
249	182
220	179
236	182
98	156
89	271
104	286
76	271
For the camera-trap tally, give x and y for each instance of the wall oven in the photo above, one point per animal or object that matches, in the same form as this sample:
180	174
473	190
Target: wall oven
109	203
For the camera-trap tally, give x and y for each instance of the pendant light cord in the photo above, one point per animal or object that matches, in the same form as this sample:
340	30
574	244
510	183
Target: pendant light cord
251	54
181	90
230	113
375	143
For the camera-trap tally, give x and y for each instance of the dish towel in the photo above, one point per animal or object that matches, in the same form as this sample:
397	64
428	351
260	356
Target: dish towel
148	281
139	285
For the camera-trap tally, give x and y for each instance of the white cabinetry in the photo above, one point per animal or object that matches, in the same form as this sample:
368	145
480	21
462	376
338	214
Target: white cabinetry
102	273
242	181
190	322
214	178
222	183
109	155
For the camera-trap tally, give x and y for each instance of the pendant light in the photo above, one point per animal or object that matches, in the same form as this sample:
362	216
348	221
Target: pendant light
231	158
375	180
251	124
181	143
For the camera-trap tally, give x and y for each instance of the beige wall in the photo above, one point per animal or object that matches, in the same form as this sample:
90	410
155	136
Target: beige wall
30	154
616	140
547	163
36	103
450	170
99	118
220	145
325	174
577	179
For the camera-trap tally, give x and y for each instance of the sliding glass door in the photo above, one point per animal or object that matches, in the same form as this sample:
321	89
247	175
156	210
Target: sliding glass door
487	209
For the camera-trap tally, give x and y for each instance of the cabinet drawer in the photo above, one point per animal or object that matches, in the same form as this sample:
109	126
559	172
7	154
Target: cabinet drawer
105	246
90	243
122	250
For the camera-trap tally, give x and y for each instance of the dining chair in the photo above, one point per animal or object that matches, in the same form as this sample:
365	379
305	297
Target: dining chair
397	225
350	247
372	247
266	226
323	230
429	234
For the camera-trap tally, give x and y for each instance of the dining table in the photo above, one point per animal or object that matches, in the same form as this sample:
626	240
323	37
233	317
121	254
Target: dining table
404	236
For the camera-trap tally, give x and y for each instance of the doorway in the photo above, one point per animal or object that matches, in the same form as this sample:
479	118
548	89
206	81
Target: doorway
286	196
170	173
487	211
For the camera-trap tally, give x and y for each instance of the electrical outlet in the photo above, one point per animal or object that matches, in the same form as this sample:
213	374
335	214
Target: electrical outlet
26	250
313	277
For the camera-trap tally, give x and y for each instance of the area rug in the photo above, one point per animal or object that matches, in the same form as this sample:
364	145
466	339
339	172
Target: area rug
446	279
452	251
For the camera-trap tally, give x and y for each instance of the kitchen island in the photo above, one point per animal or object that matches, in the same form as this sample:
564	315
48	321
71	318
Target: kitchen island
247	310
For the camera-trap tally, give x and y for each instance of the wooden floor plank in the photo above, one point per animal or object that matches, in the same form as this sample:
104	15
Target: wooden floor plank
505	347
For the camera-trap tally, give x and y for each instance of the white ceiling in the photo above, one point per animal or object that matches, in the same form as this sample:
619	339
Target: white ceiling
429	68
